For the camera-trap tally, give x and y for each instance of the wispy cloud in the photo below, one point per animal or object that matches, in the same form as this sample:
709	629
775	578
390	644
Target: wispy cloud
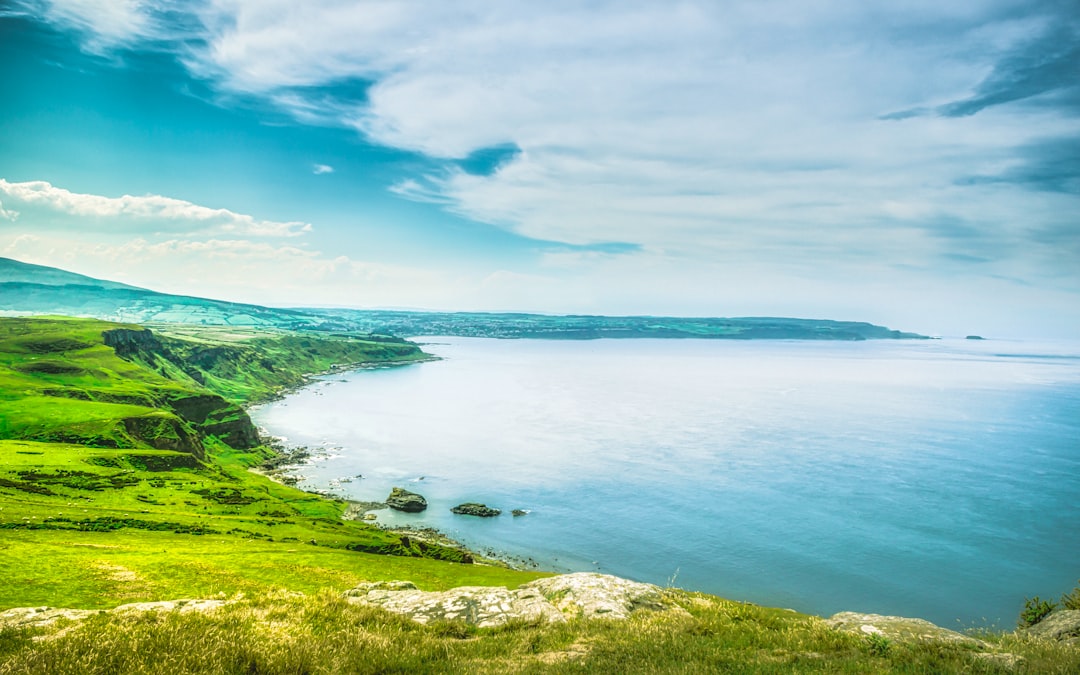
320	169
140	212
797	140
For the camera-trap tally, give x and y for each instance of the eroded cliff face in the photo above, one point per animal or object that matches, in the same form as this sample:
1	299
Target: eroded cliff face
126	341
206	414
212	415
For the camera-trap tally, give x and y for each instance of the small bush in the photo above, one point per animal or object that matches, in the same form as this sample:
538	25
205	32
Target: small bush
1071	600
878	645
1035	610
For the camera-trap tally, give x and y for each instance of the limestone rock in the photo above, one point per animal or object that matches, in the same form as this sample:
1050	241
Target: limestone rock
403	500
42	616
591	595
899	628
182	606
474	509
1001	660
1063	626
555	599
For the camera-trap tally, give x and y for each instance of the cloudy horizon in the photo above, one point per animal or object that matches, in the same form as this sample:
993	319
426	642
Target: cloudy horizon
913	164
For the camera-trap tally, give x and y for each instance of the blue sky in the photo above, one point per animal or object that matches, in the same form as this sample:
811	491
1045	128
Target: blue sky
910	163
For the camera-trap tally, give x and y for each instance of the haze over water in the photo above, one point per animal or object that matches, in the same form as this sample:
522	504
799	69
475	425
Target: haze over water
926	478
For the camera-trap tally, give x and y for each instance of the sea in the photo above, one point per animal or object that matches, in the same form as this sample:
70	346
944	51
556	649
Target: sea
930	478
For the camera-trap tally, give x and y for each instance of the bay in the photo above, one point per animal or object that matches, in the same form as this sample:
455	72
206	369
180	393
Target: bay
936	479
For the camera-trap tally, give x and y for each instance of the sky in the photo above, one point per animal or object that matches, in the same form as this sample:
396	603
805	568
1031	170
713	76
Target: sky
911	163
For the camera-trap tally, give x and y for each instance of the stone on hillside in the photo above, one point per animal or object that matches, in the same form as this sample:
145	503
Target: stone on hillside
403	500
591	595
1001	660
1063	626
474	509
182	606
899	629
554	599
42	616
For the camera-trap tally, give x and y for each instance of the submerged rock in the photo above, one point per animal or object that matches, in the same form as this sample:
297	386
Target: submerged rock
555	599
474	509
519	512
899	629
403	500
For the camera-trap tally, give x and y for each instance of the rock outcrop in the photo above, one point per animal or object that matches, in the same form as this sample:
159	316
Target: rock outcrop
403	500
582	595
1063	626
474	509
899	629
21	617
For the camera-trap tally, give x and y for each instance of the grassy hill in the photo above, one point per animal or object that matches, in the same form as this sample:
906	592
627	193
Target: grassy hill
95	447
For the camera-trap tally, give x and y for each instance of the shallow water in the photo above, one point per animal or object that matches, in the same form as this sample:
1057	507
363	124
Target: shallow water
926	478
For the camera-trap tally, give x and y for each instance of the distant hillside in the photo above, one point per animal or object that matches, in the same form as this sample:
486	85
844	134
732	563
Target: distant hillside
35	289
549	327
14	271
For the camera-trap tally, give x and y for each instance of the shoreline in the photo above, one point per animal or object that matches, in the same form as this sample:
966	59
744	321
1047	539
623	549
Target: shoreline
311	378
286	459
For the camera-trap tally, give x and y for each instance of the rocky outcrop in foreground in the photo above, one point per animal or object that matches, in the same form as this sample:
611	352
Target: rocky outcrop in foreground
586	595
899	628
1063	626
403	500
44	616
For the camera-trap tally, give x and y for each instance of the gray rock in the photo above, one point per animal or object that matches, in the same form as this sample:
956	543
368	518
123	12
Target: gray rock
899	629
403	500
555	599
474	509
45	616
1063	626
1001	660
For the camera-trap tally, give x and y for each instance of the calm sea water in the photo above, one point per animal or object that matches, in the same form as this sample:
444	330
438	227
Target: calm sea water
938	479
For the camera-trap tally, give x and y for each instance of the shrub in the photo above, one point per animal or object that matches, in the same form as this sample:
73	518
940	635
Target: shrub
878	645
1071	600
1035	610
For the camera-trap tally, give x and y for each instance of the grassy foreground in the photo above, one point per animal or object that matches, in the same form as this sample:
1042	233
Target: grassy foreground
282	632
129	479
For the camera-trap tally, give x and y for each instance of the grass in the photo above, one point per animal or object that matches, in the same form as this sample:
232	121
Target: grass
282	632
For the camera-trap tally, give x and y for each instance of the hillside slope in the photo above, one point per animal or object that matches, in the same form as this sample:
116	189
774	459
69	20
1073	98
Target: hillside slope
93	445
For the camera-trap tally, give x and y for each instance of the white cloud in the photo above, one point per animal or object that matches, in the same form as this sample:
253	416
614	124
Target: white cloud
725	139
320	169
741	128
106	23
7	214
139	212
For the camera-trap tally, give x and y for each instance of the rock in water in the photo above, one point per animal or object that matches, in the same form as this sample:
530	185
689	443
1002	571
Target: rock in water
403	500
474	509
